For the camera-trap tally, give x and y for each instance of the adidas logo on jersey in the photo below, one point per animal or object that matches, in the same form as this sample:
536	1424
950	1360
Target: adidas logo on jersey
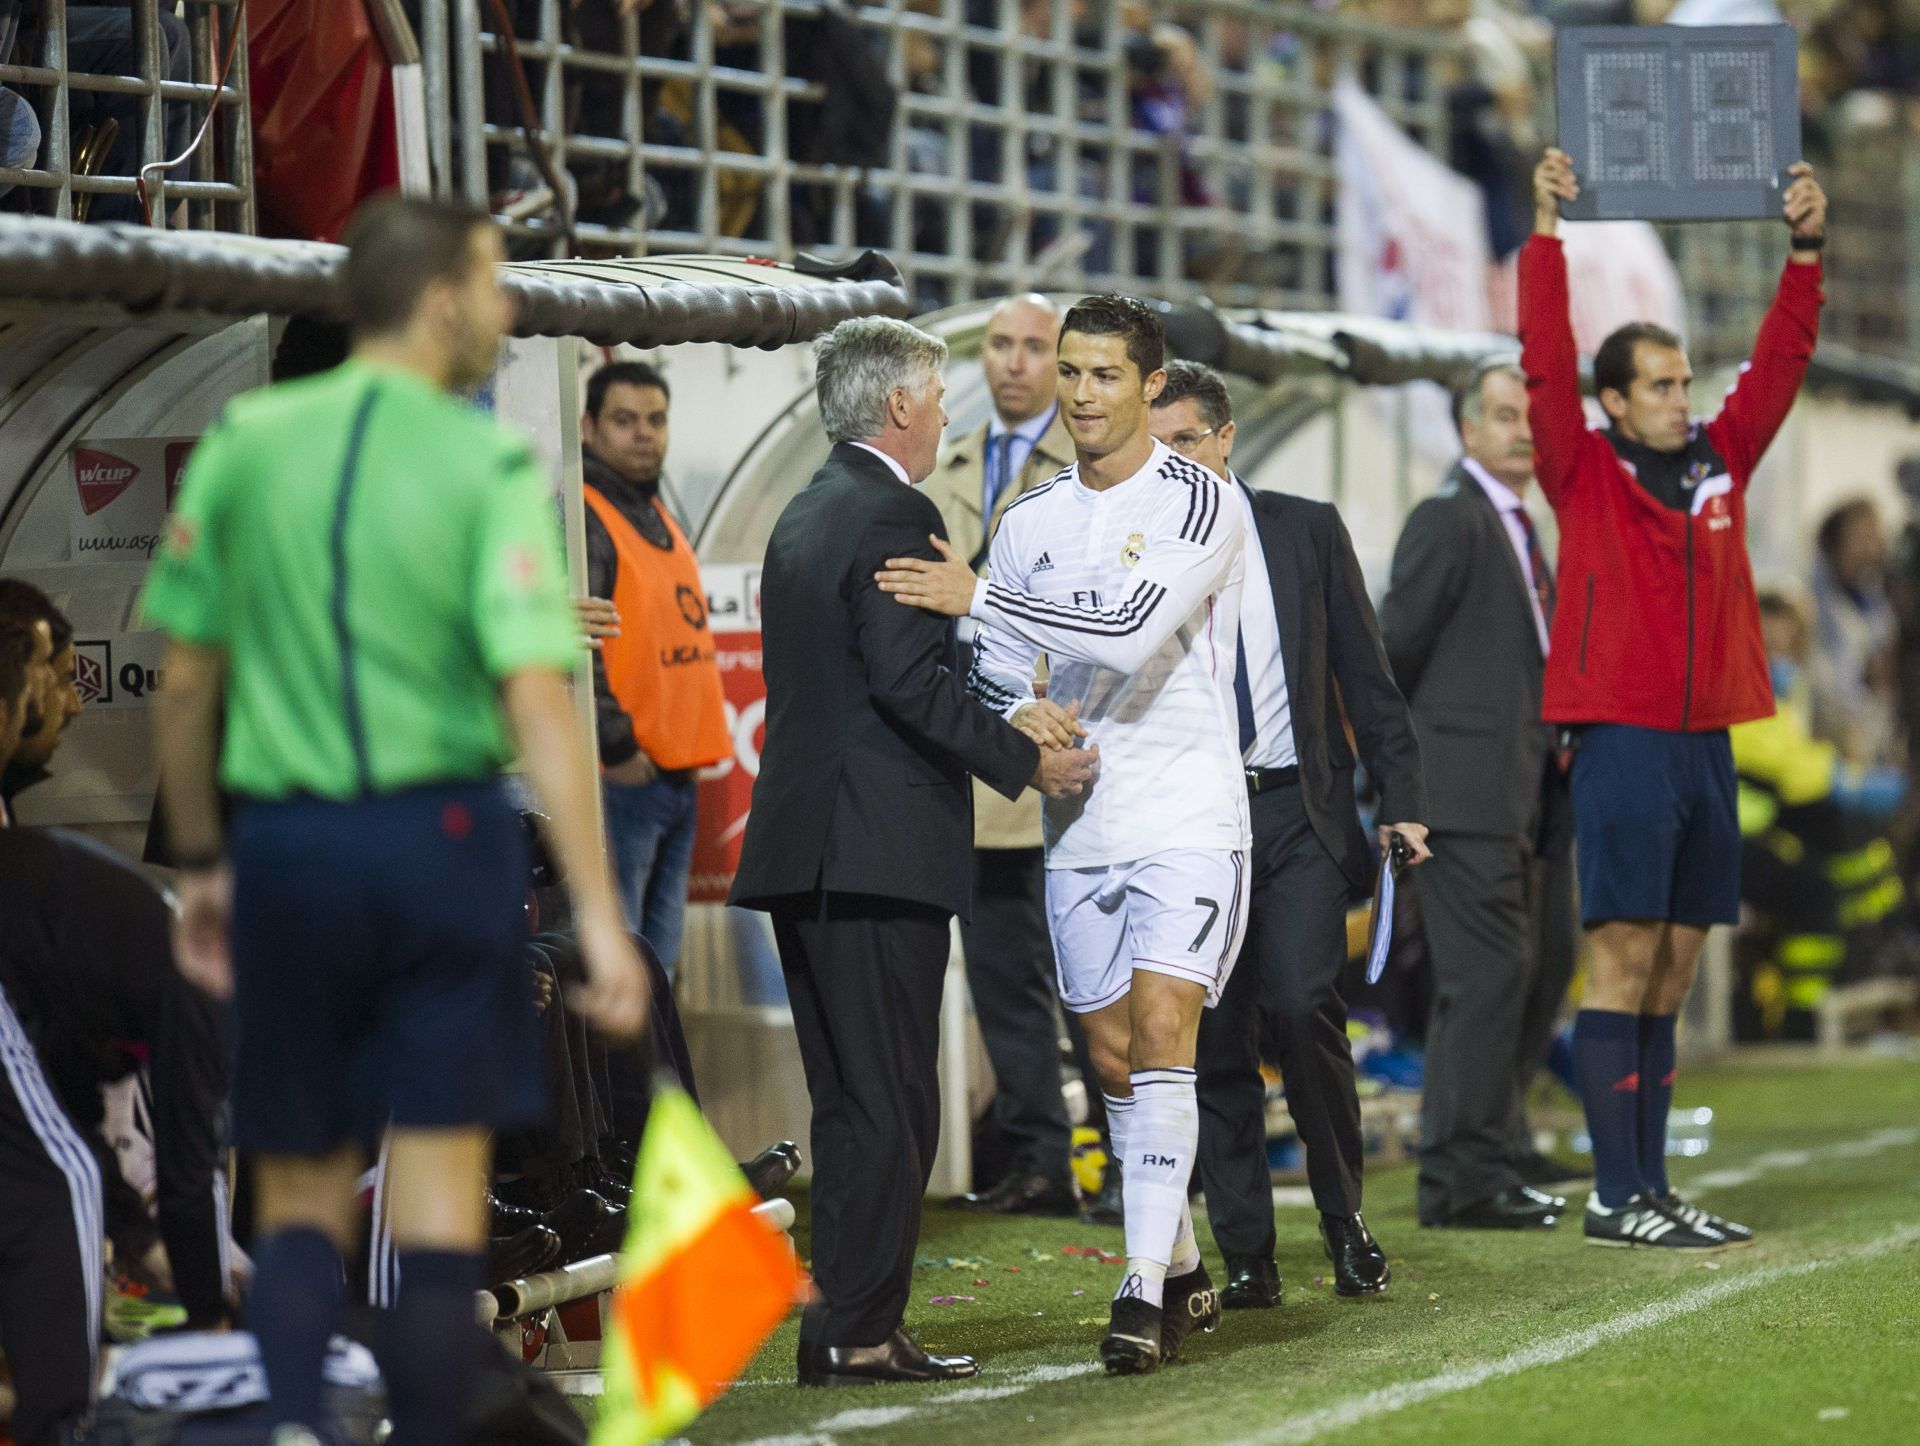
1045	564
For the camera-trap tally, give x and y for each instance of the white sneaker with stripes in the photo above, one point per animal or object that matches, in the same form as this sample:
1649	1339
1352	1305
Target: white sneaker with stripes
1641	1221
1690	1214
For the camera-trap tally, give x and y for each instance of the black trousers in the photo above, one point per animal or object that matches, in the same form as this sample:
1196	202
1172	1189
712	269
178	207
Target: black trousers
1285	990
51	1246
864	977
1497	989
1011	976
1557	948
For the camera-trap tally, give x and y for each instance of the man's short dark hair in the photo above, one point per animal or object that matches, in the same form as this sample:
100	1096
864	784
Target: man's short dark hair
398	246
1613	364
1110	314
16	657
622	374
23	603
1193	381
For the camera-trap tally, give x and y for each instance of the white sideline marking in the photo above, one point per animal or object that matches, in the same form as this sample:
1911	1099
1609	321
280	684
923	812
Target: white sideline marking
867	1418
1873	1144
1555	1349
1398	1398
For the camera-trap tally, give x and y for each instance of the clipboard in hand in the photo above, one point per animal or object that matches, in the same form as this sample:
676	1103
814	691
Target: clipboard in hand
1380	926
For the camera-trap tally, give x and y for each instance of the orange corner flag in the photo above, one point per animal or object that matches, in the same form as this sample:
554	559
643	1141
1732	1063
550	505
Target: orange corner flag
703	1282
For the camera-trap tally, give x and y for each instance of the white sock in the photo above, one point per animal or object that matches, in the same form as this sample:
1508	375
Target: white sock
1161	1139
1119	1117
1186	1249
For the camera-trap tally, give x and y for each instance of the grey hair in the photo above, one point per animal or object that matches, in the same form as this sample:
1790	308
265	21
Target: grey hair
1469	398
860	363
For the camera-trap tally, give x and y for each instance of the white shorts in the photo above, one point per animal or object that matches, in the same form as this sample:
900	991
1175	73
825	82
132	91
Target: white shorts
1182	913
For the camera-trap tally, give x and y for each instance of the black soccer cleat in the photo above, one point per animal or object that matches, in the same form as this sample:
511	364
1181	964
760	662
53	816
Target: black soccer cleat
1689	1214
1641	1222
1189	1304
1132	1345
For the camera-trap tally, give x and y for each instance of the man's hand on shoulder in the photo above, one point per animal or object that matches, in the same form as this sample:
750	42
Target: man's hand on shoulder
1064	772
1804	208
1553	182
944	587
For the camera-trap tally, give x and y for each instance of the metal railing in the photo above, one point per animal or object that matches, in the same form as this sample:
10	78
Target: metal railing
1034	142
75	168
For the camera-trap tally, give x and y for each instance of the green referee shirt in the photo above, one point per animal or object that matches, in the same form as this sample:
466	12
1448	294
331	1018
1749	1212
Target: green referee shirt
374	557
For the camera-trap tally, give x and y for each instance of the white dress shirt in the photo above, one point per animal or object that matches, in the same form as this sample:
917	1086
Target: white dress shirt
1273	745
892	466
1510	505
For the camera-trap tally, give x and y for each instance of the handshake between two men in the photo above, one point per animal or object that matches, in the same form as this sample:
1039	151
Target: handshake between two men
1068	763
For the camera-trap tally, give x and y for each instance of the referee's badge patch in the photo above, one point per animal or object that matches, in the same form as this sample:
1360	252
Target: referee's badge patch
1131	550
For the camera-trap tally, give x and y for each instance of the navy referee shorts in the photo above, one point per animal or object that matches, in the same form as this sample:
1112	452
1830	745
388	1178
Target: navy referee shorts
1656	826
379	968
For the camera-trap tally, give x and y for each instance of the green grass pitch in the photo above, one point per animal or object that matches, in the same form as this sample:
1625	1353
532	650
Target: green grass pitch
1811	1334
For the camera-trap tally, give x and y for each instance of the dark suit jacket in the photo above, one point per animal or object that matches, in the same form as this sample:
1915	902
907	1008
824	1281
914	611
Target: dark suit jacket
1327	630
870	734
1459	628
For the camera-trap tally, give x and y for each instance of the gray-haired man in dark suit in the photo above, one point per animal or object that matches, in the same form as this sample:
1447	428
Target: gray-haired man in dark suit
1466	624
860	839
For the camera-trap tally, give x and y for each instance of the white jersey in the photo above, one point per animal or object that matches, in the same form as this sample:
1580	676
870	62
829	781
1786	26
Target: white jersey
1133	595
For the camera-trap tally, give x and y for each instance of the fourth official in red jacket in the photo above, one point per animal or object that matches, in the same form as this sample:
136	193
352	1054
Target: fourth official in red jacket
1655	653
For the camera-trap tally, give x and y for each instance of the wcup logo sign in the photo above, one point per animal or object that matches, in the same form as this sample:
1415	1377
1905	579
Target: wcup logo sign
101	477
124	487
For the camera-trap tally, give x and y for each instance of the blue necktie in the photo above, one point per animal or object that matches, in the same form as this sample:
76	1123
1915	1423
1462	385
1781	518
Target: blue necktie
999	471
1243	694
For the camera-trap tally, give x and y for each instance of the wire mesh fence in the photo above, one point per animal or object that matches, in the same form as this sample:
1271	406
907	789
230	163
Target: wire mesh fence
103	101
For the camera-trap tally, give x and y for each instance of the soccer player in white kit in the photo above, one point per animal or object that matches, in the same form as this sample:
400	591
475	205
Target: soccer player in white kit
1125	572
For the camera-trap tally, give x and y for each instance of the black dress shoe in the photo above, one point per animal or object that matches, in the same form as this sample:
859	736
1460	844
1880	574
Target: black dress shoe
1359	1264
1519	1207
1106	1208
898	1358
1557	1203
769	1170
1026	1195
508	1219
1253	1283
1540	1171
581	1221
527	1252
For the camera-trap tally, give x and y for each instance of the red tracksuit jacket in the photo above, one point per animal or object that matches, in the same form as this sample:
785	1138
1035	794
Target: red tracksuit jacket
1656	623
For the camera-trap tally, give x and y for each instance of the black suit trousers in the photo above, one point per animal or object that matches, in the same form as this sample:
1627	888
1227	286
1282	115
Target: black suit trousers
1011	976
1285	989
1495	996
864	977
1556	920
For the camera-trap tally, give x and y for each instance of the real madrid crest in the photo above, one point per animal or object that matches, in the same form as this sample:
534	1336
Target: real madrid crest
1131	550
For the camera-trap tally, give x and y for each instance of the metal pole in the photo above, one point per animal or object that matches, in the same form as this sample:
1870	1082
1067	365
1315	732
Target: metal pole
60	122
472	103
240	117
433	59
152	53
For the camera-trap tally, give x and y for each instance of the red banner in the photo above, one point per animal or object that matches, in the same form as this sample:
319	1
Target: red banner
726	789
